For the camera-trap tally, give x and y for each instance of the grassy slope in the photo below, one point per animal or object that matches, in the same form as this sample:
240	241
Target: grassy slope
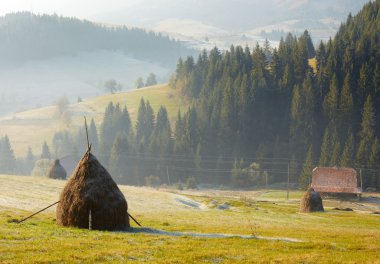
34	126
330	237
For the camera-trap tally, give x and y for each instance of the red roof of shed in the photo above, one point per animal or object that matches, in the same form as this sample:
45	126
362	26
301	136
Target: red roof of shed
335	180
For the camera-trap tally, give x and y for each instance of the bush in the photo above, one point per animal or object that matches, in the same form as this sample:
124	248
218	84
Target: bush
191	183
152	181
42	167
179	186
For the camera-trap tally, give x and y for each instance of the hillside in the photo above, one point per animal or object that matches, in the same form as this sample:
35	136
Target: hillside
222	23
34	126
270	107
82	75
27	36
44	57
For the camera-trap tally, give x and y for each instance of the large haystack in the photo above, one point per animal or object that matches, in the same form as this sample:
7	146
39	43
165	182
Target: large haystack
57	171
311	202
91	188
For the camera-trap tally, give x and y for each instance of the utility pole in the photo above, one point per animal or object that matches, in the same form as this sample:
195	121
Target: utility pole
287	184
361	179
167	173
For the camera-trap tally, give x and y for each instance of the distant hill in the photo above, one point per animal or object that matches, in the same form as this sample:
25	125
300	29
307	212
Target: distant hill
26	36
44	57
34	126
230	20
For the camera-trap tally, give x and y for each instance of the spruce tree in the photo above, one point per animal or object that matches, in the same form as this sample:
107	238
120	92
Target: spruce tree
330	103
29	161
118	159
141	121
305	177
367	133
324	159
45	153
7	158
149	122
346	106
93	136
348	151
335	150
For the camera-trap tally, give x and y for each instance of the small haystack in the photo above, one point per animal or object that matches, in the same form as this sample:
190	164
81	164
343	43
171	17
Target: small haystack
311	202
57	171
91	188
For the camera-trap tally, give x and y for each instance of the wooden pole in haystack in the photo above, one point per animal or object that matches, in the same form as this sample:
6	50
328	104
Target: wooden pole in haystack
88	141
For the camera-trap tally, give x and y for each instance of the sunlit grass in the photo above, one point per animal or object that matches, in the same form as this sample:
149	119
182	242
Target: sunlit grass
329	237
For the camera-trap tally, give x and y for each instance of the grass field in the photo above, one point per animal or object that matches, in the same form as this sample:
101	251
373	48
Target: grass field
329	237
32	127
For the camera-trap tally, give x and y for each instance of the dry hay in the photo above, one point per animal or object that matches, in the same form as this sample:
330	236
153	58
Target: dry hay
311	202
57	171
91	187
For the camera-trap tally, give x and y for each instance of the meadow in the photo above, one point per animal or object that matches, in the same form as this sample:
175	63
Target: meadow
277	231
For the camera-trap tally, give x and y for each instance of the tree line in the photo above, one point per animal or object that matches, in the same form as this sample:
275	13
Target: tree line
27	36
271	104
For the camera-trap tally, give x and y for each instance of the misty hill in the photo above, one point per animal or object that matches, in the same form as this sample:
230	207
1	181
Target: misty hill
225	22
45	57
27	36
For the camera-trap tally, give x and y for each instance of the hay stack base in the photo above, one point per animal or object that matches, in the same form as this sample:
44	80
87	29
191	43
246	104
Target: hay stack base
311	202
57	171
91	188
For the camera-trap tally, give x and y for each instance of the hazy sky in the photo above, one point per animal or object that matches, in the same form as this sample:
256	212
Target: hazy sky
91	8
77	8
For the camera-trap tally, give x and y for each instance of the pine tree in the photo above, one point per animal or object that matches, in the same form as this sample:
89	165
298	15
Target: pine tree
93	136
151	80
29	161
346	106
161	137
335	148
7	158
125	122
367	133
45	153
324	158
149	122
141	121
107	133
348	151
305	177
330	103
118	159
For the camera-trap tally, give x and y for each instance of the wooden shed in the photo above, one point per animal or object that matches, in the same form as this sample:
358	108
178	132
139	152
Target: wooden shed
335	180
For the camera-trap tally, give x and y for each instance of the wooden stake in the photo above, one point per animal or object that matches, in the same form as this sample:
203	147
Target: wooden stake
134	219
19	222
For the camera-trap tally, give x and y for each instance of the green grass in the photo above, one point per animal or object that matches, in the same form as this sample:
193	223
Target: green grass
32	128
330	237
